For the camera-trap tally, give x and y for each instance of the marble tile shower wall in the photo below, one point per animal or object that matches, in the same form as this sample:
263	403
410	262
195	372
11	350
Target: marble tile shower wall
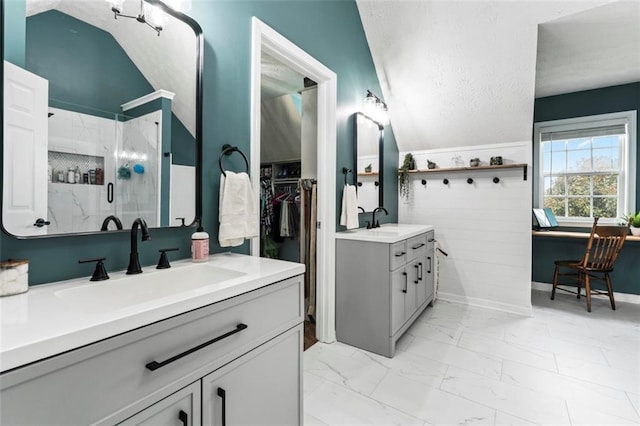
80	208
138	196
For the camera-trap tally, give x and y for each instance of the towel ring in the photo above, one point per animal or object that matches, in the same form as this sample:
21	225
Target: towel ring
228	150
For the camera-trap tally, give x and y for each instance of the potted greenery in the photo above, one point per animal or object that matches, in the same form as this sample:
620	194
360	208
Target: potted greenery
403	175
634	222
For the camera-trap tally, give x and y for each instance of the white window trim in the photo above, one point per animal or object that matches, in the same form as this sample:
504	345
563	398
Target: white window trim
628	159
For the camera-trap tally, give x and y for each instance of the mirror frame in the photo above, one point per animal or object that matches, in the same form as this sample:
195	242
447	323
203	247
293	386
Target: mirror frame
197	221
380	154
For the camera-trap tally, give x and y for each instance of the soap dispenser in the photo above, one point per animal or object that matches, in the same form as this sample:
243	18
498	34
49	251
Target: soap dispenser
200	246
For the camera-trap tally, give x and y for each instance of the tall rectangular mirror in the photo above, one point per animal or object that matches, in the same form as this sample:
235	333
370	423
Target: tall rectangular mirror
102	120
368	161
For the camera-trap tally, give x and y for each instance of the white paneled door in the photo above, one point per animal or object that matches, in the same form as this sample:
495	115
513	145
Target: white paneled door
25	139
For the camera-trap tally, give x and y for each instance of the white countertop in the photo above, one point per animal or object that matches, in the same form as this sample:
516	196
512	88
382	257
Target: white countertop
41	323
387	233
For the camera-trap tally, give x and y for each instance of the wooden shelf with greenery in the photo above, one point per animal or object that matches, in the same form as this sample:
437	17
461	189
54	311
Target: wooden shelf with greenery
368	174
524	167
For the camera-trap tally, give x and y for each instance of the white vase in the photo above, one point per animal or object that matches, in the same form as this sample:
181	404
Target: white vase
635	231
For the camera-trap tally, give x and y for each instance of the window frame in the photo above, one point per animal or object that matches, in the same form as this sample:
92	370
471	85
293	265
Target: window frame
627	159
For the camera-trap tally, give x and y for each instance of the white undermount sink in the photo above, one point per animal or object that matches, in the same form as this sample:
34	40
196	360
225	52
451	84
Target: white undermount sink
126	290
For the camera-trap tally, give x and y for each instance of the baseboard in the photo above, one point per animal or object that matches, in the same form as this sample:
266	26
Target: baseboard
619	297
484	303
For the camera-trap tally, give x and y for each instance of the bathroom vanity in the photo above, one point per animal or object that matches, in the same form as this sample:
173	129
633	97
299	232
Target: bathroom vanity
384	280
212	343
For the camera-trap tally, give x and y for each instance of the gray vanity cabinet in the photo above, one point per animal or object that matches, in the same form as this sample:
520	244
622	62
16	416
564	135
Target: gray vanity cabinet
259	388
115	380
381	288
181	408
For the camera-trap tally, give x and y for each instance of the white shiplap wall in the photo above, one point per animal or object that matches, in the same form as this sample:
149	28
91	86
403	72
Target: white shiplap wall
484	227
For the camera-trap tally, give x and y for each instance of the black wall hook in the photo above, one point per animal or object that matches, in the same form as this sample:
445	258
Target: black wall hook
445	181
346	172
424	181
496	179
469	181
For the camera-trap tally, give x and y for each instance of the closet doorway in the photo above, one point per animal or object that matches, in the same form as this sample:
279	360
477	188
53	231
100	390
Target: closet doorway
296	162
288	174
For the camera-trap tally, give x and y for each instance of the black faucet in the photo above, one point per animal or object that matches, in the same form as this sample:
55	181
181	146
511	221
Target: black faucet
375	224
134	262
111	218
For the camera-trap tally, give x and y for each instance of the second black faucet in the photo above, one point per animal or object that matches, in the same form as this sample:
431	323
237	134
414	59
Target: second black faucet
134	261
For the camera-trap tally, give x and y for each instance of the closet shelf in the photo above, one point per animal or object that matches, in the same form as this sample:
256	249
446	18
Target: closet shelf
285	180
524	167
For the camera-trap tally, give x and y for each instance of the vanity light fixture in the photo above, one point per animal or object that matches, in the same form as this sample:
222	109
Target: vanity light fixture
375	108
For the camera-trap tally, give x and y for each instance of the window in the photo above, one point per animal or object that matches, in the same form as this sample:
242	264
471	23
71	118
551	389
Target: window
586	167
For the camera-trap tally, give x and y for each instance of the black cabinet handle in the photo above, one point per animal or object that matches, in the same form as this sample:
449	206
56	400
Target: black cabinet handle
416	280
40	222
418	246
405	282
430	240
184	418
420	278
222	394
110	192
402	253
154	365
429	271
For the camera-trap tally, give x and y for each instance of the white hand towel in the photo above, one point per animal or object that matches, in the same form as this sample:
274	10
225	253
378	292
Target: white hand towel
349	216
238	213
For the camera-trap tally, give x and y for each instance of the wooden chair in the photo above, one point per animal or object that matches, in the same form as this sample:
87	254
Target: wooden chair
603	247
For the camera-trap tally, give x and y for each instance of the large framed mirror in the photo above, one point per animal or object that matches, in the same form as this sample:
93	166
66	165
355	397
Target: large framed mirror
368	161
102	123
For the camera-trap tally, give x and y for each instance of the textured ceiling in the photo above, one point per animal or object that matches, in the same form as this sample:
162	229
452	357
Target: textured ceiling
459	73
596	48
277	79
168	62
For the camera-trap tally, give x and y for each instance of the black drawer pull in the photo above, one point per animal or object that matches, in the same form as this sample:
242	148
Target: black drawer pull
222	394
420	277
154	365
184	418
418	246
417	274
405	282
429	271
402	253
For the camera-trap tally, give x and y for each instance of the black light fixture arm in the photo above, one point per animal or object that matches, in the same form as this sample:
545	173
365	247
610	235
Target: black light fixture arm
140	17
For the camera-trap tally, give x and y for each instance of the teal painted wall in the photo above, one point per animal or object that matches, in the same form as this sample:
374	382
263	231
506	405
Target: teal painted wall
184	144
626	277
330	31
14	31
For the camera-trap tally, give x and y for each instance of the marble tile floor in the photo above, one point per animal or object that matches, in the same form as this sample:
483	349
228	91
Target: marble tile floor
464	365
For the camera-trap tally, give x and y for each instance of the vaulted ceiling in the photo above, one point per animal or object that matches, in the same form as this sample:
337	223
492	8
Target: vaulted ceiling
460	73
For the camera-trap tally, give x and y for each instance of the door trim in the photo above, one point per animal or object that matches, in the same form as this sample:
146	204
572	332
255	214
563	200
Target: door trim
265	39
